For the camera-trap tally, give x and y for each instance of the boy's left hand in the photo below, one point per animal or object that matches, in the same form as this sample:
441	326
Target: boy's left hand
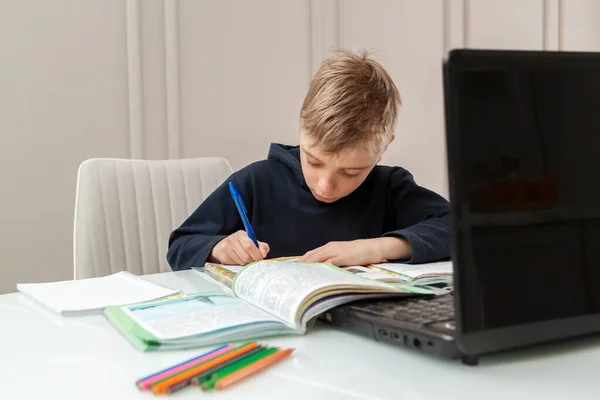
360	252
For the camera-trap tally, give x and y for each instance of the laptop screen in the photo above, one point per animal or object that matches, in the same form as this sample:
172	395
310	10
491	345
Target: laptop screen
525	186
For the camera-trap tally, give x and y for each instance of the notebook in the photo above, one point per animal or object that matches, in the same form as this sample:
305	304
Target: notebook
269	298
422	274
94	294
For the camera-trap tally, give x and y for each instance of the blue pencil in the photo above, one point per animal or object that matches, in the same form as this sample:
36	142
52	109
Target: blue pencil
181	363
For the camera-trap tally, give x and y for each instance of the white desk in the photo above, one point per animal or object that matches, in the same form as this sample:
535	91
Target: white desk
45	356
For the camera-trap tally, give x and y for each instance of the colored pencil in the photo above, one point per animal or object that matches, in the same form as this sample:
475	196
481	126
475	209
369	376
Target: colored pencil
199	379
146	382
233	348
181	363
160	387
252	369
213	378
202	377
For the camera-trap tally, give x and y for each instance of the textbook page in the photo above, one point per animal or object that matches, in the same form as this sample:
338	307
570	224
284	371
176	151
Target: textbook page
418	270
224	274
197	315
232	269
281	287
372	274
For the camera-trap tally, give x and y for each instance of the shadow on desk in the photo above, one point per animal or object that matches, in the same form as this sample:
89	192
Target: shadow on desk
551	351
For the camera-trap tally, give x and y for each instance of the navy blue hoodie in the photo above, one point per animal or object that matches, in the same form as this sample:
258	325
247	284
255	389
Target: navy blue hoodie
284	213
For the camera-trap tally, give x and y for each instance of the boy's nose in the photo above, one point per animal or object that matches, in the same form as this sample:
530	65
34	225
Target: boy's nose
326	186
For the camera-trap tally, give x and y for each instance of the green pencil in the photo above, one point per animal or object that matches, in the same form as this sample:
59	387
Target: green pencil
169	376
210	383
198	380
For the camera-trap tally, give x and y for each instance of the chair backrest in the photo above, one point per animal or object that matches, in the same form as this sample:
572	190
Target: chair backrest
125	210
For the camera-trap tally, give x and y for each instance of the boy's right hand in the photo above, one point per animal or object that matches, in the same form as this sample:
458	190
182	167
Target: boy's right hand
238	249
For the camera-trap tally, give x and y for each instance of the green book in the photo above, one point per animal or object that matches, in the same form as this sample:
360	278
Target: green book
270	298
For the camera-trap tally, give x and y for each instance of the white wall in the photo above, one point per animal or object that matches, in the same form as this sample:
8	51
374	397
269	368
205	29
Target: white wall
243	89
185	78
63	98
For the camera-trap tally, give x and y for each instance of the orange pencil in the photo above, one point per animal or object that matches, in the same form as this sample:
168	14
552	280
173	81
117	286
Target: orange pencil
252	369
160	387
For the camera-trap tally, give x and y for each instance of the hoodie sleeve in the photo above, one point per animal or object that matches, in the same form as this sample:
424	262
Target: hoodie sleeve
191	244
420	216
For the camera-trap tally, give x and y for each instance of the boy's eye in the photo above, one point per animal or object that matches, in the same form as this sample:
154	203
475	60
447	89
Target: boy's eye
312	163
347	175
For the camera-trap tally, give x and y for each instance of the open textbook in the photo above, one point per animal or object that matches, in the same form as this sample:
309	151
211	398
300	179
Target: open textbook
269	298
412	274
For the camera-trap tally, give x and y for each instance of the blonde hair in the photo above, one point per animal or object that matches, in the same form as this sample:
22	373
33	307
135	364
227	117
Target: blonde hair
352	103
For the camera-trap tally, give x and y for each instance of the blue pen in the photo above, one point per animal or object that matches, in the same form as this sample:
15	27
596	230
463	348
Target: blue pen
241	207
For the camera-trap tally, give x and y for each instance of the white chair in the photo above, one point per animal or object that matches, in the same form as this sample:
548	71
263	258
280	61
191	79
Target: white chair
125	210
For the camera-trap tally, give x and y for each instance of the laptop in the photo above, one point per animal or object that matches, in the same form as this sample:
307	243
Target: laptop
523	152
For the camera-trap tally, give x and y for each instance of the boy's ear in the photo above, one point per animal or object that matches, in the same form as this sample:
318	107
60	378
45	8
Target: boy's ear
388	143
386	147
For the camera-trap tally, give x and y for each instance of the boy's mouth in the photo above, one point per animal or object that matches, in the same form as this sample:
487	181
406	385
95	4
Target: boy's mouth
323	199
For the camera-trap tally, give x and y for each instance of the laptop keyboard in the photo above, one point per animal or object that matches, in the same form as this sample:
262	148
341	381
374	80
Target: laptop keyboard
420	311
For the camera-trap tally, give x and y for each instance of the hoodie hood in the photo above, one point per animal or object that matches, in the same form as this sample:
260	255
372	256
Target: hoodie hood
290	157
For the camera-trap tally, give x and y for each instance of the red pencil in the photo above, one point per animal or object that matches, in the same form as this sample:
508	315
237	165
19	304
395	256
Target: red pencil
252	369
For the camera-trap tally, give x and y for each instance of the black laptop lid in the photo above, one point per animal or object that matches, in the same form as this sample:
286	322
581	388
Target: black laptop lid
523	137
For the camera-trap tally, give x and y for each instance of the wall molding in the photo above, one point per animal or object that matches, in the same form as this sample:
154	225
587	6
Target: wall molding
466	23
316	35
172	79
134	72
342	24
455	20
552	24
323	31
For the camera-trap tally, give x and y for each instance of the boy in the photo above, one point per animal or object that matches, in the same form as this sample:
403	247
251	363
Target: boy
325	200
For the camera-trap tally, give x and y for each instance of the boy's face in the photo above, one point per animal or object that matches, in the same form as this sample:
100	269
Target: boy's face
331	177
